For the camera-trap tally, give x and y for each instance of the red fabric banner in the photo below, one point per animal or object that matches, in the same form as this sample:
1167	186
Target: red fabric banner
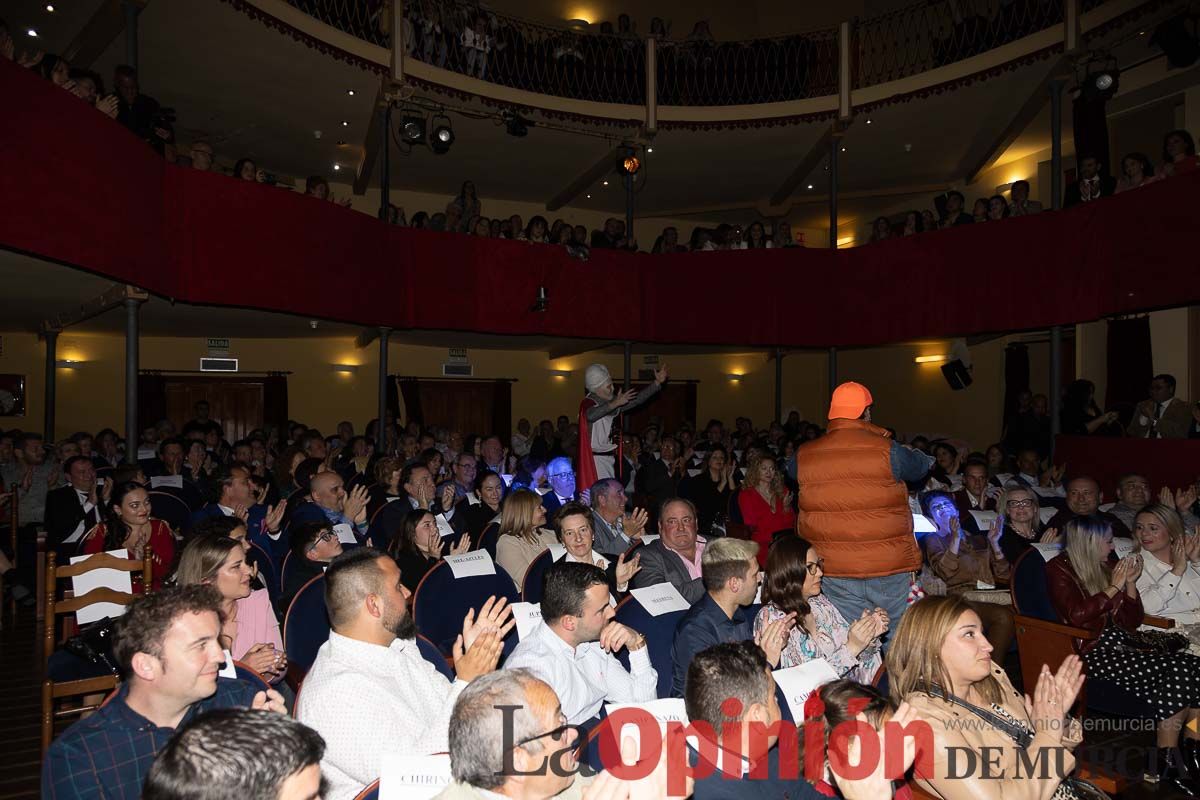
77	188
1164	462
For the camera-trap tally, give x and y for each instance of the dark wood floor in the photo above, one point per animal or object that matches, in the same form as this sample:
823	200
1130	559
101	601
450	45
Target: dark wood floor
20	706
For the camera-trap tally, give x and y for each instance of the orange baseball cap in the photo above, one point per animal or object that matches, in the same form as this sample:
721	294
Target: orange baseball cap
849	401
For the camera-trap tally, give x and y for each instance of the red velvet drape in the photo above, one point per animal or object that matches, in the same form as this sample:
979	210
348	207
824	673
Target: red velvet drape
77	188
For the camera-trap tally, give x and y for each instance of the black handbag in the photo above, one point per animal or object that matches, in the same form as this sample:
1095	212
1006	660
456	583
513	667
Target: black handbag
1158	642
93	644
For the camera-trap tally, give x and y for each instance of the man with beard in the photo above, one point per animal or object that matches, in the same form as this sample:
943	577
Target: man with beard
369	691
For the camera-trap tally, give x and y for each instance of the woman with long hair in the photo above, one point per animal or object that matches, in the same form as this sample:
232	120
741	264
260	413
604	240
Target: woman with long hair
964	561
1136	171
792	586
756	237
473	518
536	231
1090	591
1170	579
250	630
711	489
128	526
1179	153
522	533
1080	416
1022	520
417	547
468	203
940	664
766	504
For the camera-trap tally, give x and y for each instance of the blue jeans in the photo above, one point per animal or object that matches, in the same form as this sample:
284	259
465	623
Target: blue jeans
851	595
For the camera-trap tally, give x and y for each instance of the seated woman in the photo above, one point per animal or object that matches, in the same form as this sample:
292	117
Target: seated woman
1022	515
573	527
766	504
285	470
965	561
128	525
522	537
472	518
249	631
313	545
846	701
710	490
940	664
387	485
947	468
793	586
417	547
1170	579
1089	591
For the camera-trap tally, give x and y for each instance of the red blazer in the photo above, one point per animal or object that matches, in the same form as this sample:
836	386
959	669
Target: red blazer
162	547
1076	607
762	521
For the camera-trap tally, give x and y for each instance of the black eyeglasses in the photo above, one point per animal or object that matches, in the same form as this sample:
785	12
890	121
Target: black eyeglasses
814	567
558	734
558	475
326	536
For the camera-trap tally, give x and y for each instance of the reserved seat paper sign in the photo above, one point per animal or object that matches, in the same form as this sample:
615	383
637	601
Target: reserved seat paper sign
799	682
472	564
527	616
661	598
414	777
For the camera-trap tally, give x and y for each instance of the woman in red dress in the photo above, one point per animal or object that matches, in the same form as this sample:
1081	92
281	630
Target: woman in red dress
766	504
128	525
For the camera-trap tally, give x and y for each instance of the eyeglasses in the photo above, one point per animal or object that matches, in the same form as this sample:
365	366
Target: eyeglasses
814	567
942	507
326	536
558	734
558	475
1019	503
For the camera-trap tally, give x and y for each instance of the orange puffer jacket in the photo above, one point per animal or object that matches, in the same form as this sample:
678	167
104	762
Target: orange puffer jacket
851	508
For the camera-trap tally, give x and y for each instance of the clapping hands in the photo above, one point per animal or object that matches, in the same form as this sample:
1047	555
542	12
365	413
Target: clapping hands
1053	697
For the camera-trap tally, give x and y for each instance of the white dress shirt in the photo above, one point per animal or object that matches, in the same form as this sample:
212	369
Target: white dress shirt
1165	594
87	522
366	700
586	676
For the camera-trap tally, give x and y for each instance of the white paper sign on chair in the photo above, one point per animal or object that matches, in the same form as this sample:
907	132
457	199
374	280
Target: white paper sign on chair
664	710
174	481
115	579
799	682
661	598
414	777
984	519
345	533
472	564
527	616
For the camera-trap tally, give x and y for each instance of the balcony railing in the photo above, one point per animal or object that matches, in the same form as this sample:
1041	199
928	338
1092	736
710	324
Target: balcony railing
610	67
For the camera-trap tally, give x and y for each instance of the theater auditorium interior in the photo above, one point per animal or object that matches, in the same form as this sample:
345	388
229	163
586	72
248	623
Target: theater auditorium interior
390	405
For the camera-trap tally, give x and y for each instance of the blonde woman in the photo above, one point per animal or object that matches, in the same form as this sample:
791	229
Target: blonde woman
1088	591
522	537
250	630
940	664
1170	579
1022	520
766	504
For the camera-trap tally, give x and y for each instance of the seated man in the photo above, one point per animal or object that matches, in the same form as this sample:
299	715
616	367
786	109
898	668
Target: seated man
615	530
252	755
1133	494
1163	415
675	557
561	476
331	503
370	691
509	738
975	494
232	495
572	649
72	510
731	576
168	649
313	546
1083	499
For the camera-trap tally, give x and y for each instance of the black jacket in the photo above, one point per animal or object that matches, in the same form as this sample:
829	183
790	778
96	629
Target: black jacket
64	512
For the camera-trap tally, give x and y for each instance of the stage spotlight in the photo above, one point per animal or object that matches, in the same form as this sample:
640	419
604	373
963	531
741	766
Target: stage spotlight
1180	44
630	165
1101	82
542	303
442	136
515	125
412	129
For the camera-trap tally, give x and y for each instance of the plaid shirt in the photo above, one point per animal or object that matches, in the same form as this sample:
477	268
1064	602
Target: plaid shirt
109	754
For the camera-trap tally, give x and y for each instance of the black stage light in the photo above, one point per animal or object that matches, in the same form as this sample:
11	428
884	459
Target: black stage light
412	129
442	136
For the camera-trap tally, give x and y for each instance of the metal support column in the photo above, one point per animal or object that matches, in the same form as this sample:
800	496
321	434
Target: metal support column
1056	171
1055	383
385	170
380	429
131	34
132	434
628	367
833	372
629	207
51	378
834	144
779	384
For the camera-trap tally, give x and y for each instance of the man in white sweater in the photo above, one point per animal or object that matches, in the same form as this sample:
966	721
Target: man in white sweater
370	692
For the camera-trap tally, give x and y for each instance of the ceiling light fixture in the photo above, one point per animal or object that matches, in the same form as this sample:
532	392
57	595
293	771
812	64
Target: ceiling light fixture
412	128
589	197
734	377
929	359
31	32
50	8
649	149
442	136
810	186
337	167
605	183
843	149
345	124
868	121
350	92
348	369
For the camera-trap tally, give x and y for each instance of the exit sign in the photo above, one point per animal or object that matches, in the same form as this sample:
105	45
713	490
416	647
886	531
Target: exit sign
217	343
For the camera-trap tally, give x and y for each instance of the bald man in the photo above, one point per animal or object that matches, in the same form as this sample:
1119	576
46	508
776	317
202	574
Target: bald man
346	512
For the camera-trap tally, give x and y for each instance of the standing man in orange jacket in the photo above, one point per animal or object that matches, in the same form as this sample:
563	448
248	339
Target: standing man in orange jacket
853	508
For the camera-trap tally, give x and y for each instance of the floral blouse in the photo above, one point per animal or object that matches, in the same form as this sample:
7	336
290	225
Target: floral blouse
829	643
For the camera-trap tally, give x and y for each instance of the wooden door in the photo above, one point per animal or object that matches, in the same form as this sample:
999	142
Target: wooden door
235	403
466	406
675	404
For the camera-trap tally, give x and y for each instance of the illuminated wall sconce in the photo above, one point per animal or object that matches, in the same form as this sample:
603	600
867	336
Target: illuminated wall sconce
734	377
930	359
67	363
348	369
561	374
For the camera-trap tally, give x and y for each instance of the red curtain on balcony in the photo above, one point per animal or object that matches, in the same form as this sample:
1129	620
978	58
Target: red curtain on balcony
79	189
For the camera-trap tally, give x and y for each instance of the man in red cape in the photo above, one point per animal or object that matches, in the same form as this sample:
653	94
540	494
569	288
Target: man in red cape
598	454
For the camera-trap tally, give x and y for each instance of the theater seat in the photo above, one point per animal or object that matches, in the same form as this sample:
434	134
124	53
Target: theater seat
386	522
266	570
442	601
251	676
535	578
369	792
171	510
430	653
306	625
660	636
488	539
